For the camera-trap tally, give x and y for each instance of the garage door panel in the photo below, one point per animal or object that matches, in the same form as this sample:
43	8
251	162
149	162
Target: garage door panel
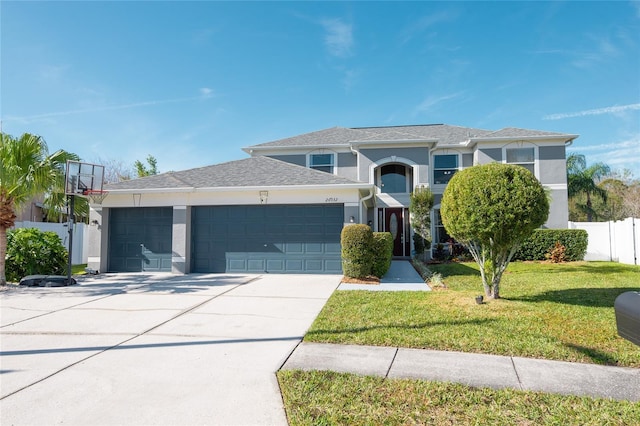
256	265
314	248
333	264
273	238
314	265
333	249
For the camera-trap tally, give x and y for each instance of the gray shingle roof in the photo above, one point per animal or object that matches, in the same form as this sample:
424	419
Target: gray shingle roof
253	171
444	134
514	132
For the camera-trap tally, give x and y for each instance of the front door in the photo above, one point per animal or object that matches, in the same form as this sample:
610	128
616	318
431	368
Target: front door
396	221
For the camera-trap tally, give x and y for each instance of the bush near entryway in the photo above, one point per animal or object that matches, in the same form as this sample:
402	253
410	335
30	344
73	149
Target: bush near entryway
357	250
382	253
364	252
31	251
542	242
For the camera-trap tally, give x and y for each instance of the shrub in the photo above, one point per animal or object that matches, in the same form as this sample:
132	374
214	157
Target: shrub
31	251
542	241
357	244
418	243
382	253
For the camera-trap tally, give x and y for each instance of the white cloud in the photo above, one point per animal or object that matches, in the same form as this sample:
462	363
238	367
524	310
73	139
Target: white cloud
427	22
205	93
636	5
624	154
338	37
598	111
431	100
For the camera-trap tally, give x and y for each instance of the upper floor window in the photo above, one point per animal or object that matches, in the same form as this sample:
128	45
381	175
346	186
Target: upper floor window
322	162
394	178
444	167
524	157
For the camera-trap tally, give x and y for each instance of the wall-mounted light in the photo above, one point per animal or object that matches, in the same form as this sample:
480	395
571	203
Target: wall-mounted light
352	219
263	197
94	222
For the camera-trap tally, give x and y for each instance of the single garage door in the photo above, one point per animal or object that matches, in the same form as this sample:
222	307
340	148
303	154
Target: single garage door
268	238
140	239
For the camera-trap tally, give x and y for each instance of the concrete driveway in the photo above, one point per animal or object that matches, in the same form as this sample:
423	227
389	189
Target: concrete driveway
153	349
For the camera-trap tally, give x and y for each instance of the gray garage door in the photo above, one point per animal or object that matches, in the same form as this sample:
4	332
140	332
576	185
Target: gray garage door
271	238
140	239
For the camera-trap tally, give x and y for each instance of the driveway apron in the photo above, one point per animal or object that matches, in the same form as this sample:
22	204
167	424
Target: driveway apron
133	349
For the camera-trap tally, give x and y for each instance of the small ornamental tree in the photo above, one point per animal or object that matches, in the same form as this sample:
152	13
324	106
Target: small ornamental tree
420	205
491	209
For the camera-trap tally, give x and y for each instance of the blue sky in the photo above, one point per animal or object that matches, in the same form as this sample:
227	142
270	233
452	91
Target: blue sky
193	82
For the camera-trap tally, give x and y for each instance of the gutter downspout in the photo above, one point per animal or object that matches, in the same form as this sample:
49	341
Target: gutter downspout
356	152
362	201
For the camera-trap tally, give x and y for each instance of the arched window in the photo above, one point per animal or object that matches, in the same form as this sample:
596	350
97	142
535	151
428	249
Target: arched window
394	178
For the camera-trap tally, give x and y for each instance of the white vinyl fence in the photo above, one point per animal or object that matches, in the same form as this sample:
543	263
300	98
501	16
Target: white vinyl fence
80	250
613	241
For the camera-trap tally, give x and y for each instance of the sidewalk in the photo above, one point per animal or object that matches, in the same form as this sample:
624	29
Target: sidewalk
476	370
400	277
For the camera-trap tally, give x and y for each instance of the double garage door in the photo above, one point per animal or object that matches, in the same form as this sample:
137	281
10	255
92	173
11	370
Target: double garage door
255	239
269	238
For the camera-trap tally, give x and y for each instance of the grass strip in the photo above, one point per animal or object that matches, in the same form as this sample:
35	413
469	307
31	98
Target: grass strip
329	398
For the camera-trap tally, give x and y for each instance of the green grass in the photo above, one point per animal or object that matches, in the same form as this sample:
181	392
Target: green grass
324	398
78	269
553	311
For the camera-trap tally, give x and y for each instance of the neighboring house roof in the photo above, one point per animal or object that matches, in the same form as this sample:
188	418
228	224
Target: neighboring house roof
248	172
443	134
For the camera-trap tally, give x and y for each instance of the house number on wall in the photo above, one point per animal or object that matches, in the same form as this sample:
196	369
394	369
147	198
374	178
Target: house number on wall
331	200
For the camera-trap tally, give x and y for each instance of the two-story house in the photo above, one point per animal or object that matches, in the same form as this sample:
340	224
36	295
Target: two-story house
282	209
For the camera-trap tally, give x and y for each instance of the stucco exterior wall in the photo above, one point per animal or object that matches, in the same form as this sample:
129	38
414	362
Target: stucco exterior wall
552	165
348	166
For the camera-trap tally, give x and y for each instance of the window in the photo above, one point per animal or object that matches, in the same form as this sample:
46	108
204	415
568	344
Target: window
444	167
322	162
441	235
524	157
394	178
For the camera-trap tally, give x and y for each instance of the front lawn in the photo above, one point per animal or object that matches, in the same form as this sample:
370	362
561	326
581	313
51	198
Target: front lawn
553	311
323	398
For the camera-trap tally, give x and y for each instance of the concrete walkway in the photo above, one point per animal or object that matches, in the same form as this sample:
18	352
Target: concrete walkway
133	349
400	277
471	369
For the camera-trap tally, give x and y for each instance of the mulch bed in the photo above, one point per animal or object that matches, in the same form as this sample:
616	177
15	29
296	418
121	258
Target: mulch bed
366	280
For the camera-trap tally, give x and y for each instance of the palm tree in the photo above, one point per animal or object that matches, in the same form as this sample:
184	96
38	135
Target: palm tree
26	169
584	180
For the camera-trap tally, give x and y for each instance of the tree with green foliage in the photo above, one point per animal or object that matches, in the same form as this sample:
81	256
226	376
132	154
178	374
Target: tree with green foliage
492	209
143	171
26	170
420	205
583	181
